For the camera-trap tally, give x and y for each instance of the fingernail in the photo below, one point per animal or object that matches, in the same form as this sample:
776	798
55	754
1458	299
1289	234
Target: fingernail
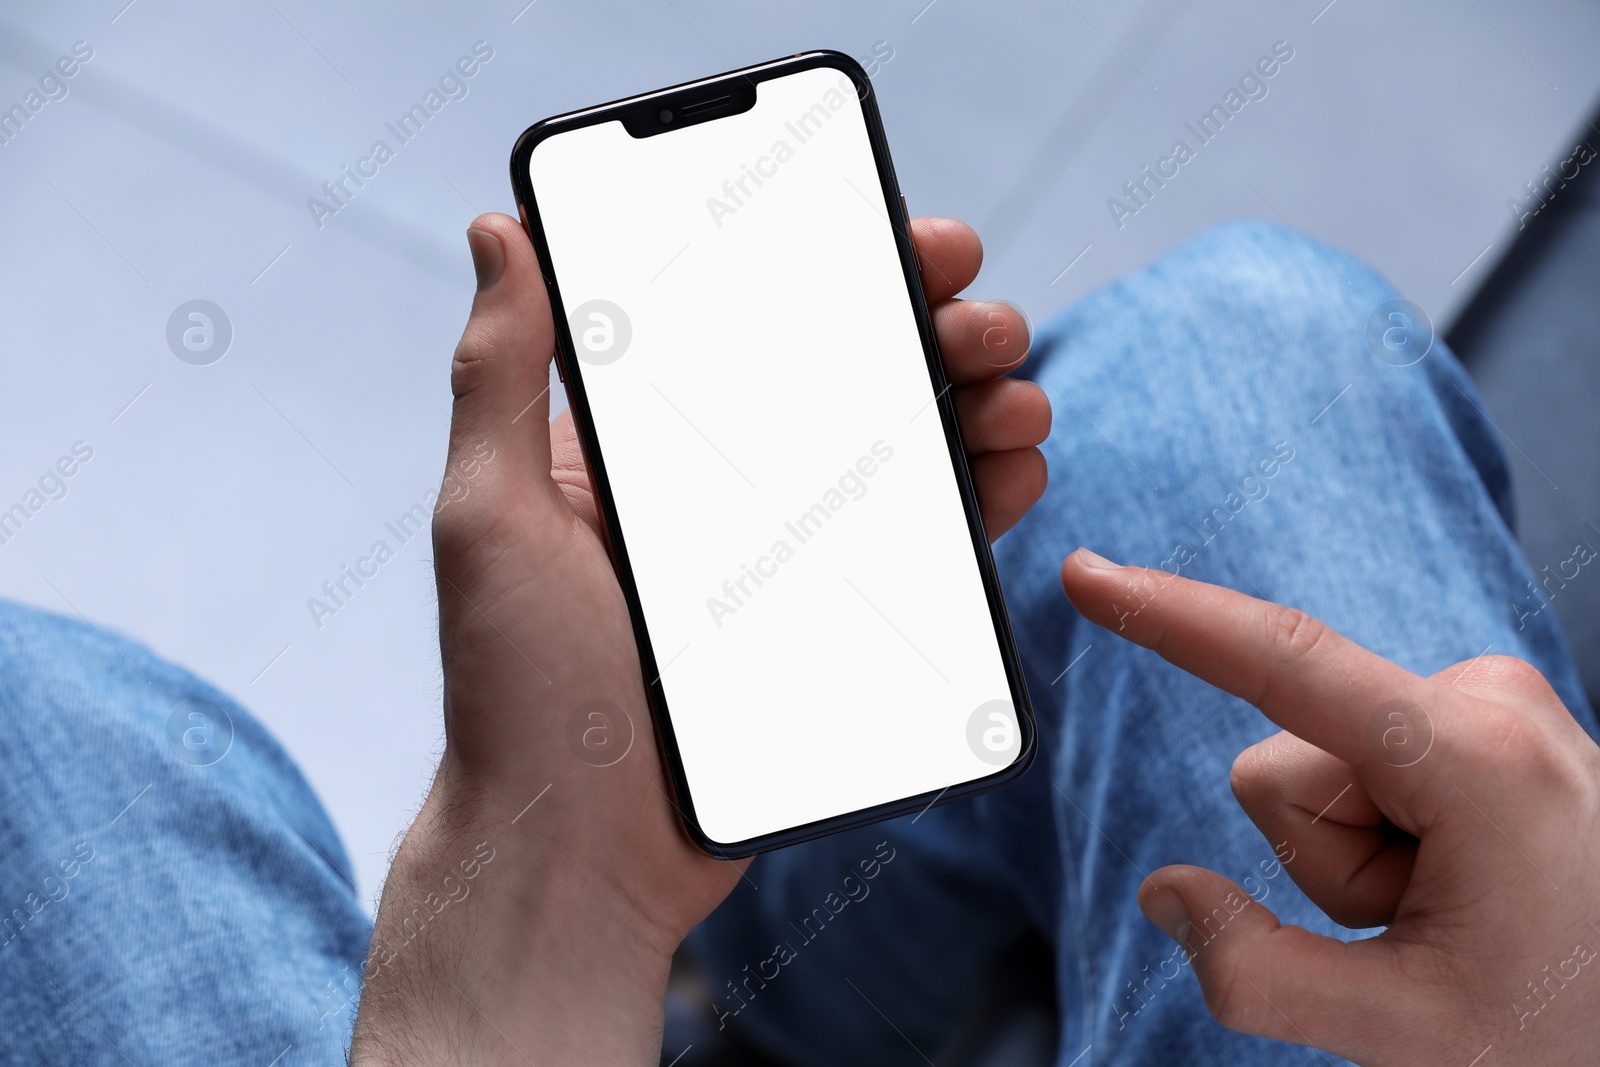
488	257
1095	561
1167	911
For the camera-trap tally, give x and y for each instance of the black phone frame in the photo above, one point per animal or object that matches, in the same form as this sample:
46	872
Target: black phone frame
640	116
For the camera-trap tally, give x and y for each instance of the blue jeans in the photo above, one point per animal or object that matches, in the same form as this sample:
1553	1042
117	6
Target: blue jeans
1223	415
173	892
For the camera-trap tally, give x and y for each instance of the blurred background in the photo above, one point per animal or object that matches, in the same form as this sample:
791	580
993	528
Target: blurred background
234	472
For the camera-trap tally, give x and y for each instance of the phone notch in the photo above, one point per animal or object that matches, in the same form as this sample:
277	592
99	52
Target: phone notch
673	111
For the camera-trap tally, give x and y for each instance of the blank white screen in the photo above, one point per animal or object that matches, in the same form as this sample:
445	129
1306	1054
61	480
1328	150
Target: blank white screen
774	371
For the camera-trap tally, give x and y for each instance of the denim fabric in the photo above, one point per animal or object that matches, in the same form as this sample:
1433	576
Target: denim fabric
1386	513
173	894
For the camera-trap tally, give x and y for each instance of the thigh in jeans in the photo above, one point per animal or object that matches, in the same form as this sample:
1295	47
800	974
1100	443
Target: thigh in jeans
172	890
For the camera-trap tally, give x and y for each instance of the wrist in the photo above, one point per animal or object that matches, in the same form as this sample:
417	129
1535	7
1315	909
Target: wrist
491	929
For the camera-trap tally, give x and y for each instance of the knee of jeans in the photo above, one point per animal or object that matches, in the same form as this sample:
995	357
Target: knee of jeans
71	689
97	724
1285	274
1252	308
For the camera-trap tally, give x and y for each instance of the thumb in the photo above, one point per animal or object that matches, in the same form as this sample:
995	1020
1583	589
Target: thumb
501	372
1284	982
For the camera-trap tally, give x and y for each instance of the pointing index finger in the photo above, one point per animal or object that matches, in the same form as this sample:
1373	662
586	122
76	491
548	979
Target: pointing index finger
1300	673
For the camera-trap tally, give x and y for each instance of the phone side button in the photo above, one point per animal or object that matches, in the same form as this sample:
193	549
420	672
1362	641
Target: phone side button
904	208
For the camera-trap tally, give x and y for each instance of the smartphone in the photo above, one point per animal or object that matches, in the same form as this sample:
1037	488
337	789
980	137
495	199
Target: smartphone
753	375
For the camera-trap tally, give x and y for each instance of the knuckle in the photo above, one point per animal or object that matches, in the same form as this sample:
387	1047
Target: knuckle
466	370
474	358
452	533
1292	635
462	524
1509	672
1520	741
1250	777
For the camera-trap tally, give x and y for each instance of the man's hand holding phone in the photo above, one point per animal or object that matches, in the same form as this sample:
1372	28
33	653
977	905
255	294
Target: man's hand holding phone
557	948
1479	857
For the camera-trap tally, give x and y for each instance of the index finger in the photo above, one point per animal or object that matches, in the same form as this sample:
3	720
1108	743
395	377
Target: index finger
1301	674
948	254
